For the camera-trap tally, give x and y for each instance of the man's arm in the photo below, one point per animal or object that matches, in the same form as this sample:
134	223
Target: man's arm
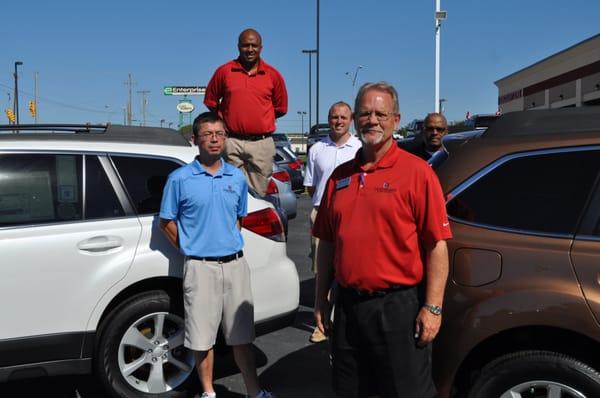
169	228
436	274
280	96
325	253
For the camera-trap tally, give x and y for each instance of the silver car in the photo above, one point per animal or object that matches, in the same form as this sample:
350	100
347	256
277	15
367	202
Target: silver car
280	190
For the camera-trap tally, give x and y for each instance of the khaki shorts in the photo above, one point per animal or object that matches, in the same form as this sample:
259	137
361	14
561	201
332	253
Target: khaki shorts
217	293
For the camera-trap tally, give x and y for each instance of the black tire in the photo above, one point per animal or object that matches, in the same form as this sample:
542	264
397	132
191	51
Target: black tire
530	373
144	313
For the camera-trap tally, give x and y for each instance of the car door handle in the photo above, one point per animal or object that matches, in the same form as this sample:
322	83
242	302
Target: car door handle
100	243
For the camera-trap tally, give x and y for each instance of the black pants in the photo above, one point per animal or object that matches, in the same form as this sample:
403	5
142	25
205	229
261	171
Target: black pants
374	350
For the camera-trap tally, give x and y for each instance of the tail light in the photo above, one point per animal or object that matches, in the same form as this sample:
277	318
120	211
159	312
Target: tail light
282	176
295	165
272	187
265	222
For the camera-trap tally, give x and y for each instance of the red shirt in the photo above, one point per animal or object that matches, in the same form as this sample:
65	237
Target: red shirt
380	219
249	103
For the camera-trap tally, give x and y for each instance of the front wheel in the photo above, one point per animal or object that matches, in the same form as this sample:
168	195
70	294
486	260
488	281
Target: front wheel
140	352
536	374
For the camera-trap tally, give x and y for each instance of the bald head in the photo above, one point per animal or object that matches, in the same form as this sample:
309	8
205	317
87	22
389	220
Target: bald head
247	32
249	46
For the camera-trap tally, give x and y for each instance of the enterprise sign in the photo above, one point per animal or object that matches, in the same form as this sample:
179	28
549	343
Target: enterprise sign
184	90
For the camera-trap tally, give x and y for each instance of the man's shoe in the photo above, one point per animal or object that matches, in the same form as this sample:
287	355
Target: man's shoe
265	394
206	395
317	336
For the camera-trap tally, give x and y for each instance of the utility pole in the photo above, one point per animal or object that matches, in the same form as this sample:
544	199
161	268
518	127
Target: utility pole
16	103
144	103
129	84
35	97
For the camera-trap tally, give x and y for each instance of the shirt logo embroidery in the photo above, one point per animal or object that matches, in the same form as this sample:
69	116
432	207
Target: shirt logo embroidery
230	189
385	188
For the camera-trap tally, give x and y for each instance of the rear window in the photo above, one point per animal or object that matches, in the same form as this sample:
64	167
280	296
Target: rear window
144	179
539	193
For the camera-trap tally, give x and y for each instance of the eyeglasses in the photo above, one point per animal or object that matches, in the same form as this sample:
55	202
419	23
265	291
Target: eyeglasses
381	116
206	135
439	129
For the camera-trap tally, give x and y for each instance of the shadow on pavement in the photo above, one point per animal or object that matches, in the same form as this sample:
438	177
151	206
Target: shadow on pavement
296	374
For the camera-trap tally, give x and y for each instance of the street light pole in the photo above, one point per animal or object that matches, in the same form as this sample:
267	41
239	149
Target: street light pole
359	67
439	17
310	53
16	103
318	57
302	114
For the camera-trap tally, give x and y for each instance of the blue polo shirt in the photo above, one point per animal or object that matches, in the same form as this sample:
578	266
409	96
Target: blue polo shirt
206	208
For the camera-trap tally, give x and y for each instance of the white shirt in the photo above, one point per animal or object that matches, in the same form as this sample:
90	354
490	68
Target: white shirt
323	157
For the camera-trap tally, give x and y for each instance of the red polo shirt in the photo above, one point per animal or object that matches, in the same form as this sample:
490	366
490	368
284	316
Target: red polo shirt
380	219
249	103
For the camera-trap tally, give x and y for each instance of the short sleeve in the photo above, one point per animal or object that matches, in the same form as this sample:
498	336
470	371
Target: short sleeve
243	203
310	169
323	227
431	217
169	206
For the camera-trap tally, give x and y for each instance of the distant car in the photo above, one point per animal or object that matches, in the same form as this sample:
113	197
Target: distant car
287	160
522	307
281	139
280	189
415	127
482	121
317	133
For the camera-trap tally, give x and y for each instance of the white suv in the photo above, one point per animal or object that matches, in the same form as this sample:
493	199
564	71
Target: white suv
87	280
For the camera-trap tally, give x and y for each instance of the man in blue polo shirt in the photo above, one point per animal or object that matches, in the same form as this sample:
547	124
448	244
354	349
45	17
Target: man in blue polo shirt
200	214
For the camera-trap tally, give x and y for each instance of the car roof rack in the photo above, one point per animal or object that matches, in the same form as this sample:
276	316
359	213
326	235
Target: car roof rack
93	132
545	122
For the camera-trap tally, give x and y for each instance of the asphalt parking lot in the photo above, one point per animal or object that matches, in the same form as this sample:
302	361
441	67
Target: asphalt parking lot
289	364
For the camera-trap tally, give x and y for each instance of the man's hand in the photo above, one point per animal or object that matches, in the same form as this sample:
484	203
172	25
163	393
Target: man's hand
427	326
323	316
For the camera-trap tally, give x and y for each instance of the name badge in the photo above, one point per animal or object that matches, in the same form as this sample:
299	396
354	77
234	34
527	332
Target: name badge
343	183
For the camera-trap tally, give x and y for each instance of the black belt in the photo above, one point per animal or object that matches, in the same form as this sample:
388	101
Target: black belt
248	137
374	293
224	259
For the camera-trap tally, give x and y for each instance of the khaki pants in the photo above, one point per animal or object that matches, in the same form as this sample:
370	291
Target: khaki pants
254	158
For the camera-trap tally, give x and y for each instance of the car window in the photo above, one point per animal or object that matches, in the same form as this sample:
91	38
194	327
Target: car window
590	225
539	193
144	179
39	188
278	158
101	201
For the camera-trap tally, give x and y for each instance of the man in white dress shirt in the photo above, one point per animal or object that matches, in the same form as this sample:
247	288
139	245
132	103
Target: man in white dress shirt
324	156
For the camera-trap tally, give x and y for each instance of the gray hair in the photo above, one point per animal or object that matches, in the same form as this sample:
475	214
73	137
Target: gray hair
381	86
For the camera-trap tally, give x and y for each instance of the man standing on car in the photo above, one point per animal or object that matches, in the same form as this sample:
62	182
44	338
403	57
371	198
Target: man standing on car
324	156
200	214
383	228
435	127
249	95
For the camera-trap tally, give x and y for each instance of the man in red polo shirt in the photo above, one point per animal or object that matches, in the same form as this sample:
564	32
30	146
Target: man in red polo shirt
383	229
249	95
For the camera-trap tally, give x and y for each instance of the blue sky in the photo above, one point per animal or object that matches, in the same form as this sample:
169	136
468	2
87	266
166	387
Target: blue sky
83	51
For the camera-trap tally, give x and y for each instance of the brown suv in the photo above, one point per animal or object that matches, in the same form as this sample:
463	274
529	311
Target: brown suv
522	308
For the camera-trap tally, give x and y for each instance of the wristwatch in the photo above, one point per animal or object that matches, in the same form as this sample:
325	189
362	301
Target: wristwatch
434	309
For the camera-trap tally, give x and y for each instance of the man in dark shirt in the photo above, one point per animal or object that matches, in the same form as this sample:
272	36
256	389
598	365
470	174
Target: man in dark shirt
435	127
